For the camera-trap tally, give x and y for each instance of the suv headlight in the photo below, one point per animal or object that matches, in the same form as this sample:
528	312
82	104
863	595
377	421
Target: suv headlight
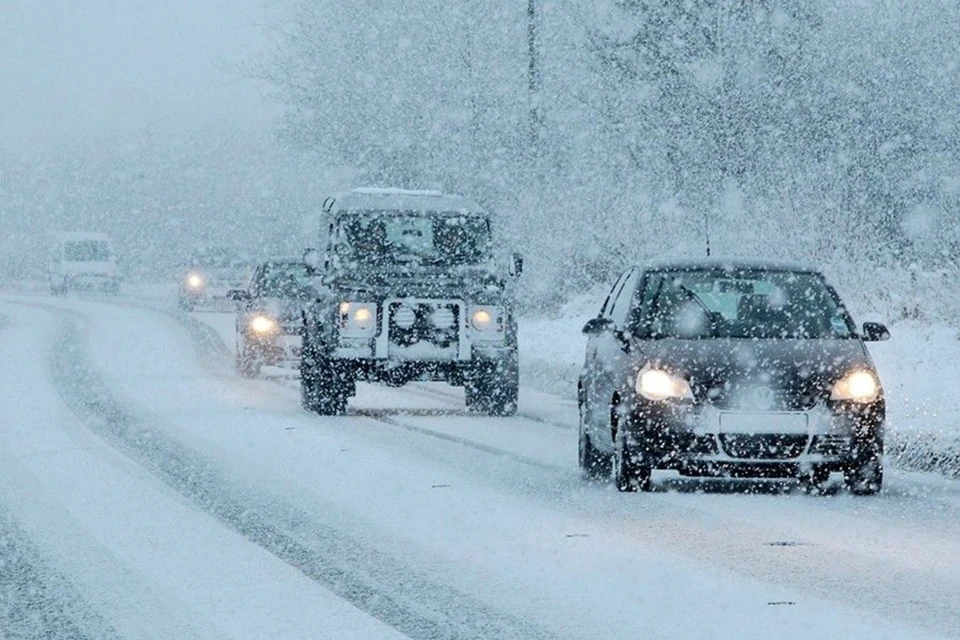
195	281
357	319
486	320
659	385
857	386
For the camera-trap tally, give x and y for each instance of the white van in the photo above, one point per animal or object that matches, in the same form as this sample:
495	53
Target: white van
83	260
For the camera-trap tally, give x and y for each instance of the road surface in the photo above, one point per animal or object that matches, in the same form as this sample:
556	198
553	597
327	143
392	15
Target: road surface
146	491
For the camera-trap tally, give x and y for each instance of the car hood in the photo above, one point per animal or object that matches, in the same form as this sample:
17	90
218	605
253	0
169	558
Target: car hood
423	282
757	374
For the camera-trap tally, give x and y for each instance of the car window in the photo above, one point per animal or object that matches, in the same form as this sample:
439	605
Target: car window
612	296
746	304
282	280
624	299
643	301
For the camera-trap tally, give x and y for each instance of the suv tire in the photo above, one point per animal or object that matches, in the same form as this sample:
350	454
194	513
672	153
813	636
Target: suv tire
493	389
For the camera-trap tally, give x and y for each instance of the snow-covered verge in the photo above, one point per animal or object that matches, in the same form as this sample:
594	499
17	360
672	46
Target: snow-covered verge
919	368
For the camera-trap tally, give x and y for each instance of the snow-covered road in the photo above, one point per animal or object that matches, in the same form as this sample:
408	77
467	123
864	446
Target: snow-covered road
147	492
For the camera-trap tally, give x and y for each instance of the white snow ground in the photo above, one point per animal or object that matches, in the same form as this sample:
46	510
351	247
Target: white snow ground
158	495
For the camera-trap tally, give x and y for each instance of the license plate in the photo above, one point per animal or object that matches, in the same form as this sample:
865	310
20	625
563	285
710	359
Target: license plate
763	422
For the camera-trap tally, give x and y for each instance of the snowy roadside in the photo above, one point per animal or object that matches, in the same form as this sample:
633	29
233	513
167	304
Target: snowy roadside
919	367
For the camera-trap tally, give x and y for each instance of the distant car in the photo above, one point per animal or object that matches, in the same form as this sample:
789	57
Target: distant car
211	272
270	319
83	261
730	368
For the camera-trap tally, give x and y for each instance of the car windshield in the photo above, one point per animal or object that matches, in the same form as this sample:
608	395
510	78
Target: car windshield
284	280
389	237
87	251
745	304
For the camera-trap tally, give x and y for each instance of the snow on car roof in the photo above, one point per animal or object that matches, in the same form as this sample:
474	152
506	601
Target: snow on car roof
380	199
729	263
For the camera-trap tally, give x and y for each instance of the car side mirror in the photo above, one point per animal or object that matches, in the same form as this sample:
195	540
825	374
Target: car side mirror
311	258
516	265
875	332
238	295
597	326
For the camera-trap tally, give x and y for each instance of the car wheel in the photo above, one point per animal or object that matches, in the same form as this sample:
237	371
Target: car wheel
248	361
815	481
594	464
630	471
865	477
493	389
322	390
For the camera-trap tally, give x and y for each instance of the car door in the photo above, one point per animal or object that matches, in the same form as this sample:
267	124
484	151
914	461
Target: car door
604	354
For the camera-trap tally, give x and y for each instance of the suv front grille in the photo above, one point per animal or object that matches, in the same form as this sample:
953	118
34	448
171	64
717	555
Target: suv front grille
764	446
437	323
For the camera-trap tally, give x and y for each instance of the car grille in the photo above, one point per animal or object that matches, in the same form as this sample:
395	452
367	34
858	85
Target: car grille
737	397
763	446
436	323
830	445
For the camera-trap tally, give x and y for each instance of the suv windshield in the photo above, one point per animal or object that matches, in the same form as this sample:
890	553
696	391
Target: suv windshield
87	251
743	304
391	237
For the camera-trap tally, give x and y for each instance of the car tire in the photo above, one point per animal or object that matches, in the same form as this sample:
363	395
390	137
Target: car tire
322	390
493	389
630	471
865	477
815	481
248	362
594	464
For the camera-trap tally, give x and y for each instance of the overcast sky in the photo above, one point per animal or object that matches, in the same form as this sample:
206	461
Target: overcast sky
85	70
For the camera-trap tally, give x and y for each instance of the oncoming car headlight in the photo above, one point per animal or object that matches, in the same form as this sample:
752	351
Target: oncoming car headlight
195	281
658	385
857	386
262	324
357	319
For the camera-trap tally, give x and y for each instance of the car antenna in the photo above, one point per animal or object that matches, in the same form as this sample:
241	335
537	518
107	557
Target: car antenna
706	229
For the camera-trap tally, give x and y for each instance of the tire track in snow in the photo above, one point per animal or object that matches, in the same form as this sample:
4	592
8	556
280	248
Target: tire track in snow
369	578
35	601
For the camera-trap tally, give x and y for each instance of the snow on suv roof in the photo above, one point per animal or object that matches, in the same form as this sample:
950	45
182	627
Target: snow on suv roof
729	263
380	199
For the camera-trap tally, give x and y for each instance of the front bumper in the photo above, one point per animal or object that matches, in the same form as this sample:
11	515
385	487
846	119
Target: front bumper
704	440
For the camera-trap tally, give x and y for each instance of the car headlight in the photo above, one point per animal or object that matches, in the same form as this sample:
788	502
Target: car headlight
195	281
358	319
857	386
658	385
262	324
